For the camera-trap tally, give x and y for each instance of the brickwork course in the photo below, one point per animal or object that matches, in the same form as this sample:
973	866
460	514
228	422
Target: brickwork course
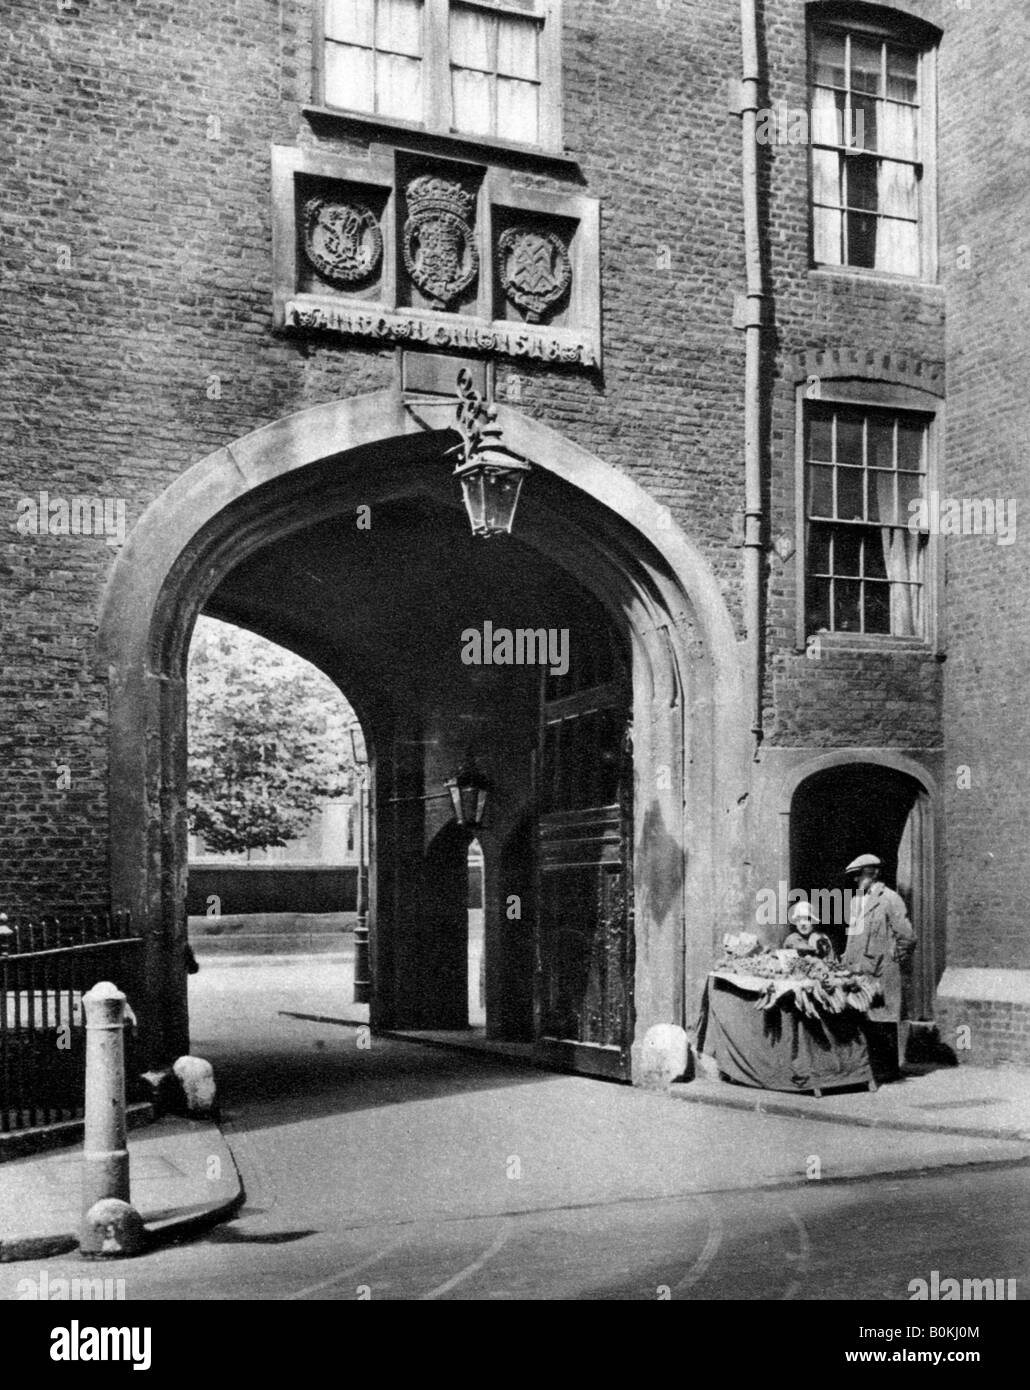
137	317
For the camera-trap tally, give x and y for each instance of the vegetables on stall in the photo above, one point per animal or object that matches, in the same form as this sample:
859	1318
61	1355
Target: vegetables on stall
816	986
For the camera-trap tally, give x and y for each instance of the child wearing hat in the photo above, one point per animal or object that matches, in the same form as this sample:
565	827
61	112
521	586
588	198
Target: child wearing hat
804	938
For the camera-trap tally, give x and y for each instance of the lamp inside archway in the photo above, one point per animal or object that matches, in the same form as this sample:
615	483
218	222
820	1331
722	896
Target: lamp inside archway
469	790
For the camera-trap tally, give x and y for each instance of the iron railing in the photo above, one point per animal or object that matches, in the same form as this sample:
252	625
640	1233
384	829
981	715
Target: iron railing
46	965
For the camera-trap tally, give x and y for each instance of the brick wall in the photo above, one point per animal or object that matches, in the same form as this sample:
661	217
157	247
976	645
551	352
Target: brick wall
831	324
985	241
137	251
985	1032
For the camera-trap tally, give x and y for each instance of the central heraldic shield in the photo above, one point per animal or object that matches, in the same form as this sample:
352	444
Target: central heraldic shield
439	244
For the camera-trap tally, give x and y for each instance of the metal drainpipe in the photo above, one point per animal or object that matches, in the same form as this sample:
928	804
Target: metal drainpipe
755	297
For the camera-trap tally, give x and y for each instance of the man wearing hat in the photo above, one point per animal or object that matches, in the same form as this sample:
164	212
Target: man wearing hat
880	939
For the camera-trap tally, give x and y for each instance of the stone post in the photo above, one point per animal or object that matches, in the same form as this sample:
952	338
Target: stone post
114	1229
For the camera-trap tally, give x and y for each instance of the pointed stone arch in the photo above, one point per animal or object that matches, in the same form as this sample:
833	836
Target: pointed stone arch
690	743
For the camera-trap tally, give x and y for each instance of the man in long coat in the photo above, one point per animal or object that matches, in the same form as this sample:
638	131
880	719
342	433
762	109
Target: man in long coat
880	940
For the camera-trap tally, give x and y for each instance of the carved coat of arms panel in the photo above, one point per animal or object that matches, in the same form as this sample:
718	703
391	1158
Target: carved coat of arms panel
408	250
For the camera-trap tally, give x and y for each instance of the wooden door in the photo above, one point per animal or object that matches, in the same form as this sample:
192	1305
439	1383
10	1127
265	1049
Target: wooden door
583	995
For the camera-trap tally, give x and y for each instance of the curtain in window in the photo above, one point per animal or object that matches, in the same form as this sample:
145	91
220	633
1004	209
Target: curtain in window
373	56
398	65
471	34
897	246
398	86
471	95
517	114
398	27
826	181
350	21
899	132
349	77
516	47
903	554
903	560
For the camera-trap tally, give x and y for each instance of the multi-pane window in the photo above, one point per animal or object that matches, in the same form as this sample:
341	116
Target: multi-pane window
864	559
495	73
474	67
868	148
373	56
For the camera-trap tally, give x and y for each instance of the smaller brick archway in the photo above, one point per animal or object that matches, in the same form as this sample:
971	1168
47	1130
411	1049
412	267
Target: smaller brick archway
852	802
690	758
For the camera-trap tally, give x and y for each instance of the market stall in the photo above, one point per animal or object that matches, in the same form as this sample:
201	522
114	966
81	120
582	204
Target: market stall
784	1022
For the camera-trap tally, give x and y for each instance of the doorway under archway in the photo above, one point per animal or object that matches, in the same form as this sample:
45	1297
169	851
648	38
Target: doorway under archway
854	808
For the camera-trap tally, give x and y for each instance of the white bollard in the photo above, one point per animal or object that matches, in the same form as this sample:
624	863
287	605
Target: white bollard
105	1159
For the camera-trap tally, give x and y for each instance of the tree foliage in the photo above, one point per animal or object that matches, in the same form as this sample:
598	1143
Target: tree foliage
268	740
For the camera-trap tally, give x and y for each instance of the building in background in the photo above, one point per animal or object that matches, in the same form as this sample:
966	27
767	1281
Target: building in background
331	839
752	311
316	873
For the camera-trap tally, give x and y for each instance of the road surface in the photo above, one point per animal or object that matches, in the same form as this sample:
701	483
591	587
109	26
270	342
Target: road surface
397	1171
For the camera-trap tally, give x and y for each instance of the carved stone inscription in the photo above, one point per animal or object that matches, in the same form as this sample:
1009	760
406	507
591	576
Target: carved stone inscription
515	340
404	251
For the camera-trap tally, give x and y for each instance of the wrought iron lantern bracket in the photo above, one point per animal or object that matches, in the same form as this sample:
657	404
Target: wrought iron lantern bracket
491	474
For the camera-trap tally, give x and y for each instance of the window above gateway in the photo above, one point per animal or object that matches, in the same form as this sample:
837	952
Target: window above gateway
872	95
479	68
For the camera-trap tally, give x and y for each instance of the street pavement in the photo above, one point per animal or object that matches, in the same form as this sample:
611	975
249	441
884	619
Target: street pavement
182	1177
382	1168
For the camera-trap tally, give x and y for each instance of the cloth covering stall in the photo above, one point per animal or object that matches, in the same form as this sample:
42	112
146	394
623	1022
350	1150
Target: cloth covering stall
772	1034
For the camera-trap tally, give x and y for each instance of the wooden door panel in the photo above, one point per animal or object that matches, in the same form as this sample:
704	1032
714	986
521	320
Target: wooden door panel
584	945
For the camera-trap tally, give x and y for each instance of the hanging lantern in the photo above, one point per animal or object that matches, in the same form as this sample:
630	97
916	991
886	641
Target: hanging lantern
491	480
491	474
469	790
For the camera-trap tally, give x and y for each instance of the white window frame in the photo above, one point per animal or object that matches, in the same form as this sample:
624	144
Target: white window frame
884	398
437	116
926	154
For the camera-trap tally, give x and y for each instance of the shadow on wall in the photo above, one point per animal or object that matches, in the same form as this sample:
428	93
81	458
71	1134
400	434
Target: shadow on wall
666	861
441	932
